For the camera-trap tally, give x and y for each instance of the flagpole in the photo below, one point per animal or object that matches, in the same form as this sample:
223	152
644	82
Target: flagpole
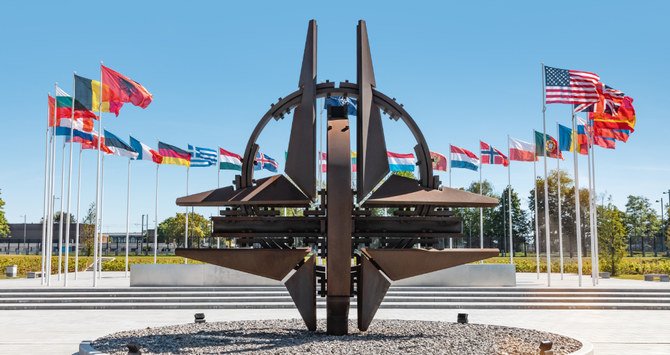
52	200
218	168
591	205
156	219
97	185
537	224
578	223
596	266
450	167
481	210
69	188
509	202
60	221
546	184
46	191
102	214
128	217
560	216
186	216
76	238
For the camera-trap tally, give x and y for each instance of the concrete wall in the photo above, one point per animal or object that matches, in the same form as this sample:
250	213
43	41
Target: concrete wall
193	275
474	275
471	275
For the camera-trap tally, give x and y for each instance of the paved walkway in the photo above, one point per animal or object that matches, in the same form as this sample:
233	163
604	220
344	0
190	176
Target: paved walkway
611	331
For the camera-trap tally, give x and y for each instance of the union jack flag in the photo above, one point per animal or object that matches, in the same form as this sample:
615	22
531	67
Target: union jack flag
490	155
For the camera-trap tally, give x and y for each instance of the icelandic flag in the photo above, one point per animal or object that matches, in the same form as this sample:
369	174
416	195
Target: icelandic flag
352	109
463	159
401	162
202	157
119	147
144	152
263	161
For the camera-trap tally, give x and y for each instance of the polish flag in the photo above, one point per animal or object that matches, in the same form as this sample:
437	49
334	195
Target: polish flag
521	151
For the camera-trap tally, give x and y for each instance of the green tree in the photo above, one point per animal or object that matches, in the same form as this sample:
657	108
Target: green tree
640	218
470	218
172	228
57	217
611	236
4	226
521	228
568	213
88	229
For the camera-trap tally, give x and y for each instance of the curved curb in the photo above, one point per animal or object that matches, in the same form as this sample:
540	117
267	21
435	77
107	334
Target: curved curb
85	348
586	349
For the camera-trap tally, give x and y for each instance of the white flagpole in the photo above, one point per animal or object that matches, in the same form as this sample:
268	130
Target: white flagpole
595	215
591	208
102	214
97	185
450	167
156	220
560	216
218	167
69	189
128	217
537	224
186	216
509	203
60	221
481	210
46	193
52	202
76	238
578	222
546	184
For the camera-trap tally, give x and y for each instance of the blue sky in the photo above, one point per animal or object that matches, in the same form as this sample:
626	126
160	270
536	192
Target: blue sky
465	72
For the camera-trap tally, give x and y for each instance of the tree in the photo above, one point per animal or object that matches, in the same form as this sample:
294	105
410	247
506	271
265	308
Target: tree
640	218
4	226
172	228
568	213
611	236
57	217
470	218
88	229
520	224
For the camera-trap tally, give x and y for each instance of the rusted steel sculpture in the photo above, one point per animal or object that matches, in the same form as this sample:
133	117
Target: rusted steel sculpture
364	253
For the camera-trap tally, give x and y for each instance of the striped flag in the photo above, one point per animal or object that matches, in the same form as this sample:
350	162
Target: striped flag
401	162
119	147
145	152
229	160
563	86
463	159
202	157
521	150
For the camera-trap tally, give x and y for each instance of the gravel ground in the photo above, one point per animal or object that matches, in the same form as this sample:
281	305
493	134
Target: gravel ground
290	337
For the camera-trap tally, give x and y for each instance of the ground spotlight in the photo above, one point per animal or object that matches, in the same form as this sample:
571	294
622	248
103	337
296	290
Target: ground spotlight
545	347
462	318
199	317
133	349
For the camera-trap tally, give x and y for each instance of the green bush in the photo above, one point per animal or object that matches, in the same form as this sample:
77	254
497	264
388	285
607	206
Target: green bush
628	266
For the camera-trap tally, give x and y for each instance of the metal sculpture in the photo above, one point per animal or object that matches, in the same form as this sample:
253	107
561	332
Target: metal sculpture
363	253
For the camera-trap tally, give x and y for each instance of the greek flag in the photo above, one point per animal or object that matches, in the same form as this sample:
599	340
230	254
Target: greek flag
202	157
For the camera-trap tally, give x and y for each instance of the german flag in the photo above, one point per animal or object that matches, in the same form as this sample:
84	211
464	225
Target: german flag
87	92
173	155
125	89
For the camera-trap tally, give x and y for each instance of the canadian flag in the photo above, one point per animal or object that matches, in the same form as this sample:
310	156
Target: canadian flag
521	151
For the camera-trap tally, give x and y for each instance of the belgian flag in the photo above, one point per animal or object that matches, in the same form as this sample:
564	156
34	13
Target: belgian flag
87	92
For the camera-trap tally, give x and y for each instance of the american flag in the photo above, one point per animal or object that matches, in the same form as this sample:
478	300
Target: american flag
563	86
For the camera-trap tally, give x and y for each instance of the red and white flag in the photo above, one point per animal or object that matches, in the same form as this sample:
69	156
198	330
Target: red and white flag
521	151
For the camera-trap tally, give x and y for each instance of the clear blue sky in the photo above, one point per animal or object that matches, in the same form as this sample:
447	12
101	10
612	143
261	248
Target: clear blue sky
465	71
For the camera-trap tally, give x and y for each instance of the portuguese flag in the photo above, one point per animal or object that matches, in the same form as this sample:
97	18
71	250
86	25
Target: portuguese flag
550	145
87	92
173	155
